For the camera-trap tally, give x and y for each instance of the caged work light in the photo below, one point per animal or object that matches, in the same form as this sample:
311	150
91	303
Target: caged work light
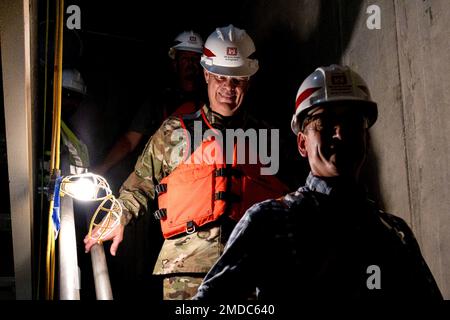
92	187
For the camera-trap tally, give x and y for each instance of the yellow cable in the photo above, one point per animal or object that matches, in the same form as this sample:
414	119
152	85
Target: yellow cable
52	271
48	255
50	240
55	91
60	57
55	151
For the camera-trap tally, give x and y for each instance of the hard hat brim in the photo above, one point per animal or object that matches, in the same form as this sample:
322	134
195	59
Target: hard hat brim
368	108
242	71
173	50
185	48
83	92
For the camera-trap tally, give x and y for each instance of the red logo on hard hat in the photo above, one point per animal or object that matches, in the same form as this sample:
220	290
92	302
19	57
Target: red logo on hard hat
193	38
232	51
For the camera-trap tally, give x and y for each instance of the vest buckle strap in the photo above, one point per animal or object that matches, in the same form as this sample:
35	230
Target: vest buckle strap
160	214
228	172
226	196
161	188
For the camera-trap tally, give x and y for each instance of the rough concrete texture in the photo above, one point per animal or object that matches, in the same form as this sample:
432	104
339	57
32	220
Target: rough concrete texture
406	64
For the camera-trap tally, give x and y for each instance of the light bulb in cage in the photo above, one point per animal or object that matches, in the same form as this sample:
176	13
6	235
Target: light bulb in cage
83	189
86	187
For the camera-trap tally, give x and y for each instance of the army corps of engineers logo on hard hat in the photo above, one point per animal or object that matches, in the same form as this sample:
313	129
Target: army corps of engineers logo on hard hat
338	79
339	84
232	54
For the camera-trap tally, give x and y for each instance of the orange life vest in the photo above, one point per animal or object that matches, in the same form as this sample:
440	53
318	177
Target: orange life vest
203	188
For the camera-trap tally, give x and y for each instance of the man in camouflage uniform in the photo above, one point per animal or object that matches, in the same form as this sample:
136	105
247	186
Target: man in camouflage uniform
326	240
185	259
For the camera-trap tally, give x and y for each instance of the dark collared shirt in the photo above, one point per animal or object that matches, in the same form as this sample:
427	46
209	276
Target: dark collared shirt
324	240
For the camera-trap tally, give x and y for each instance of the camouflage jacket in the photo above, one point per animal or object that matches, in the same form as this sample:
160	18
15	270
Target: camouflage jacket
194	253
323	241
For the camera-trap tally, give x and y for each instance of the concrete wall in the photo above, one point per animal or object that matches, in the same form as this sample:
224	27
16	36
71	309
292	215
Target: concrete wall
16	31
406	64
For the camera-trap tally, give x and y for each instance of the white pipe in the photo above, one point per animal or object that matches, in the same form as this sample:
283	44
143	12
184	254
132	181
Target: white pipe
103	289
69	280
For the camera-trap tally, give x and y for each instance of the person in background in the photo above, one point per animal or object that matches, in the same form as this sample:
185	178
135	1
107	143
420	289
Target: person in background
78	112
185	96
75	151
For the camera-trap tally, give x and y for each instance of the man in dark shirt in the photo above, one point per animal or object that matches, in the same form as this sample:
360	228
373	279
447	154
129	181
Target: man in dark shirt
326	240
186	95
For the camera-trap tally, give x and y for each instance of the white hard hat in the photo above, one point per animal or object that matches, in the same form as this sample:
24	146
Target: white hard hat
187	41
332	84
227	52
72	80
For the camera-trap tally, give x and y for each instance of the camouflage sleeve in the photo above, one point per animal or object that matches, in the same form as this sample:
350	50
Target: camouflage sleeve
155	162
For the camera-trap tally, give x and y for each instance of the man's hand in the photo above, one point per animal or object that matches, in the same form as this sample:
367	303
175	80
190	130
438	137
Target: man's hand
116	236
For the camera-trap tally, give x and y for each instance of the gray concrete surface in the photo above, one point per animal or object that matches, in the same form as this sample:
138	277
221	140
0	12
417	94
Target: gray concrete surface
406	63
